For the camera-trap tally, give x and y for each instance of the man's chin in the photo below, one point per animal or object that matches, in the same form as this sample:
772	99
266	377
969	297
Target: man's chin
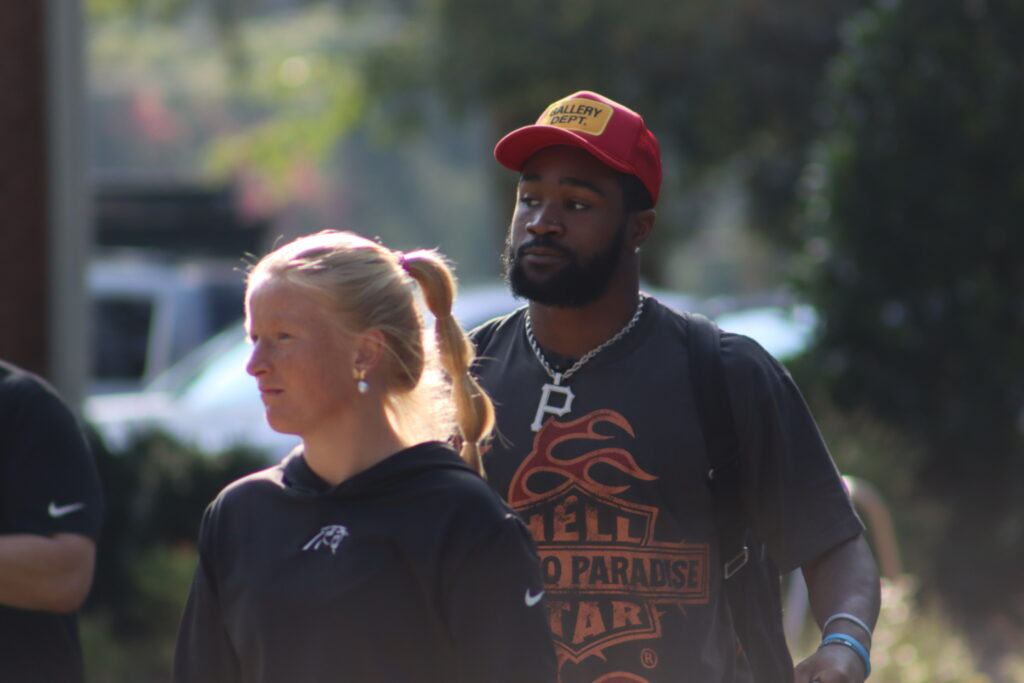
566	287
541	290
550	293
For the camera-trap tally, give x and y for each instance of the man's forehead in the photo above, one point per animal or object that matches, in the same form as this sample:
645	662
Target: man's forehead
568	165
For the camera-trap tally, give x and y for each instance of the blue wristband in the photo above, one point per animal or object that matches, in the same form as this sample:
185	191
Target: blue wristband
853	644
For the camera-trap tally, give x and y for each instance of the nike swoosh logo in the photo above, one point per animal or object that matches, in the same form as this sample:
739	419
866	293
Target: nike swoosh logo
61	510
532	599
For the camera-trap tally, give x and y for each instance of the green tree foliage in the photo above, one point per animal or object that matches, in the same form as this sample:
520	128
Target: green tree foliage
723	82
717	79
920	282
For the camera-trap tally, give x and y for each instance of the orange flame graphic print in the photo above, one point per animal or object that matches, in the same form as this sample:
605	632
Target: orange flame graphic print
608	579
552	434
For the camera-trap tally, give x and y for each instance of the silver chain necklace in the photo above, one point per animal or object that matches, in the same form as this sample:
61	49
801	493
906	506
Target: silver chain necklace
545	407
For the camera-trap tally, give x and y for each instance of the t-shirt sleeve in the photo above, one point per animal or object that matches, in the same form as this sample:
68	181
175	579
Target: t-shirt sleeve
48	476
795	495
495	610
203	653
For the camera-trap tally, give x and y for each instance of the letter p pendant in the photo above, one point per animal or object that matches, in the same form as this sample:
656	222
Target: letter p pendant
545	406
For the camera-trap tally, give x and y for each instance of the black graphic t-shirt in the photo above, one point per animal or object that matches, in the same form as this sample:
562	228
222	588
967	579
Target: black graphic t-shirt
612	484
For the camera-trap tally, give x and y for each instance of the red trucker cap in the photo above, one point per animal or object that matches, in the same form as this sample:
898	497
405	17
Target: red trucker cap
615	134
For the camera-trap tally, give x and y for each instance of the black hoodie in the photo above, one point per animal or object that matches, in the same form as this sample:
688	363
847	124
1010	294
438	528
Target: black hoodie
411	571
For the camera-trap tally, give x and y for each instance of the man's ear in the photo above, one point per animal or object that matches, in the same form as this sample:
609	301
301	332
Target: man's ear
641	223
369	349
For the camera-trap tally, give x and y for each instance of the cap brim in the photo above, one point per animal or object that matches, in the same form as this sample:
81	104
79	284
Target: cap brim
513	150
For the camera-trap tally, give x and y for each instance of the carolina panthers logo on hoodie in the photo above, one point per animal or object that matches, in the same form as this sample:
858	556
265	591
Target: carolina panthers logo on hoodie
330	536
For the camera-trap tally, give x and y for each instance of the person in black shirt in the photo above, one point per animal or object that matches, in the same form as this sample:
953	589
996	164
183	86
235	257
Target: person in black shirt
373	552
50	517
600	448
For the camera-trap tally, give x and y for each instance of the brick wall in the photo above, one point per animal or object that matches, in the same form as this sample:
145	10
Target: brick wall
23	185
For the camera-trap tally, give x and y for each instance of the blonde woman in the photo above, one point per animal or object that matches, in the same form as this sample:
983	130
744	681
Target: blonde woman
374	552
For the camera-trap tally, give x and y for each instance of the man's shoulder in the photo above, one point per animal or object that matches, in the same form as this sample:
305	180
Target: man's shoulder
496	328
744	355
28	399
741	354
18	381
735	345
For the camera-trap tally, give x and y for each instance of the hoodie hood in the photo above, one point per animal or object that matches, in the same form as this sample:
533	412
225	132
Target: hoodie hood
298	479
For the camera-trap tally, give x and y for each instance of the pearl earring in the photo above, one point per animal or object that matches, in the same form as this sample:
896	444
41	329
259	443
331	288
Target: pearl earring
361	385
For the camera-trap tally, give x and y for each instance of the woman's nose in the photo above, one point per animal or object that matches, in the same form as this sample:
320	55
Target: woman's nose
257	363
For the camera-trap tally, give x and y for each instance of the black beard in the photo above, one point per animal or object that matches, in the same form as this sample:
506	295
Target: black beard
576	284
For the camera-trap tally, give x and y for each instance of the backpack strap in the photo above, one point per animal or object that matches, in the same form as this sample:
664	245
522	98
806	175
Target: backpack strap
753	595
715	414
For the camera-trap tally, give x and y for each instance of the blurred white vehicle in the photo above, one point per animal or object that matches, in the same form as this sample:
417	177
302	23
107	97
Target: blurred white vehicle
207	400
148	312
784	331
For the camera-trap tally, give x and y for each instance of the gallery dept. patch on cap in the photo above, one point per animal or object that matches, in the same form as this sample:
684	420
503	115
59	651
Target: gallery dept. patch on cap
581	114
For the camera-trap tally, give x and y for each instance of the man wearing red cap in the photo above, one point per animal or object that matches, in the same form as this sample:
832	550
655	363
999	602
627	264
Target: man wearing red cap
599	448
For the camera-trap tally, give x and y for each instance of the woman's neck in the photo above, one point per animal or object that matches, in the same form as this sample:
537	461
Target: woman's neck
349	446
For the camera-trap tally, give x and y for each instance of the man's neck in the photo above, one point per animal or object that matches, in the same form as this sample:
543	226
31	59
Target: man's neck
574	331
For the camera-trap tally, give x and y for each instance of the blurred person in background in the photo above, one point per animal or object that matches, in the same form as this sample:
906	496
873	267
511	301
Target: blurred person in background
600	448
373	552
50	517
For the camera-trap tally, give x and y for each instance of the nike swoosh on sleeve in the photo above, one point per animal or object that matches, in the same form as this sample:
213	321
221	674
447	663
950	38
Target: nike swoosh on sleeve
56	511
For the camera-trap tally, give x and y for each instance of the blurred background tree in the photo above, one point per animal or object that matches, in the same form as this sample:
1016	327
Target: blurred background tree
285	89
272	97
729	86
918	275
714	78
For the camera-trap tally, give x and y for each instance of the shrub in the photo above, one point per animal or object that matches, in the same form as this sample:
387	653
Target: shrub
155	494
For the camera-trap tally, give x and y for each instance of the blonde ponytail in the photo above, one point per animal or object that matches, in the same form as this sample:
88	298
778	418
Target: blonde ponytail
474	412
